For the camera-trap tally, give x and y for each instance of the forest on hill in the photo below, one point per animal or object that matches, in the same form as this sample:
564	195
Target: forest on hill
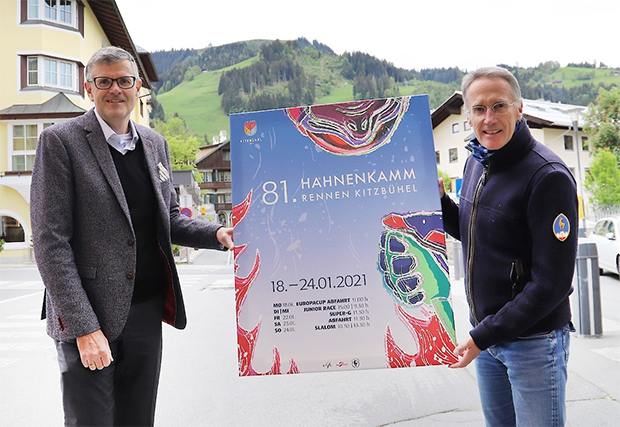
264	74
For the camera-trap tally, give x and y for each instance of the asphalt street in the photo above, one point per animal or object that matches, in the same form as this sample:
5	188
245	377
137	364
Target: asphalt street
200	386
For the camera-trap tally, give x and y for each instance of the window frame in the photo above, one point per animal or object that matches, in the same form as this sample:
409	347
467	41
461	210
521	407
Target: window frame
224	176
452	160
572	143
27	17
25	244
601	228
38	65
46	67
12	152
39	10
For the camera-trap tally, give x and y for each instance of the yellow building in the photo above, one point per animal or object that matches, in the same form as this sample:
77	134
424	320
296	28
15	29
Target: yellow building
44	48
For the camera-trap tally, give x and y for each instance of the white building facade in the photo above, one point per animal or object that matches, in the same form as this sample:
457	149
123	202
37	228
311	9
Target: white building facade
549	122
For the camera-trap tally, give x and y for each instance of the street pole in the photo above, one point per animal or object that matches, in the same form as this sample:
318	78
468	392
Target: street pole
574	115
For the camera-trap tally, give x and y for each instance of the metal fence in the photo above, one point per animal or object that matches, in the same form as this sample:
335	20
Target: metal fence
594	214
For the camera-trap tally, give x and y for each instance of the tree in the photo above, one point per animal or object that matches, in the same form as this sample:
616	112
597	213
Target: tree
447	181
192	72
603	121
183	152
157	110
603	179
182	144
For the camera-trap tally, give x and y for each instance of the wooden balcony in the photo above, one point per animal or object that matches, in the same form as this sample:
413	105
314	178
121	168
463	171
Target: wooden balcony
215	185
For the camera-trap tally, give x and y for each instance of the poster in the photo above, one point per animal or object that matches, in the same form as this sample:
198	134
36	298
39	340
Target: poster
340	253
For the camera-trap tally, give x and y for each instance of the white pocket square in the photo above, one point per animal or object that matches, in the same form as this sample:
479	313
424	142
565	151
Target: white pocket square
163	172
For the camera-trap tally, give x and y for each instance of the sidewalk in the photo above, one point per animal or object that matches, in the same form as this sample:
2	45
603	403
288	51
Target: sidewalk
593	389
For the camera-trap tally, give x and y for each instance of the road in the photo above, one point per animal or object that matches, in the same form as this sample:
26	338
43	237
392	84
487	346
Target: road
199	383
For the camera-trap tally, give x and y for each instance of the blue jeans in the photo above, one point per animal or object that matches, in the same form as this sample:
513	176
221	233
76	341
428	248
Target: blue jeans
523	382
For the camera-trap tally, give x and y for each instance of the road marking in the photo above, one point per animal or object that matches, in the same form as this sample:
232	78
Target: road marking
5	325
23	296
27	284
25	316
219	284
6	362
29	346
23	334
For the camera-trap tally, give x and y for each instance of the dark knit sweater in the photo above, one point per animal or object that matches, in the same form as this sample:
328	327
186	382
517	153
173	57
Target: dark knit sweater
515	201
138	189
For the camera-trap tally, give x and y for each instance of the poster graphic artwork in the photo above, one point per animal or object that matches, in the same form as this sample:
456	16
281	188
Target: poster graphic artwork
340	252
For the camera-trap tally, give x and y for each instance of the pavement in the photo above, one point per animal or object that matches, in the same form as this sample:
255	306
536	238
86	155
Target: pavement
214	395
593	388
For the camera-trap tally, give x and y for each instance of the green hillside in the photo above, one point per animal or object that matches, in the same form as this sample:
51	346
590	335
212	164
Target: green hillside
292	73
198	103
573	76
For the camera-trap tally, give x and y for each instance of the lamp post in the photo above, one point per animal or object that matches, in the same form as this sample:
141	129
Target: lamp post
574	116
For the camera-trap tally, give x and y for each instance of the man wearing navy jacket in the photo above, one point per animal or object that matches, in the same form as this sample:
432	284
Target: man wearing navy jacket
104	217
516	221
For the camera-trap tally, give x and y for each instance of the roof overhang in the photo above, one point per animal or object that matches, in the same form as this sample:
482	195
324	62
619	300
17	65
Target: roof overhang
209	150
451	106
58	107
112	23
537	122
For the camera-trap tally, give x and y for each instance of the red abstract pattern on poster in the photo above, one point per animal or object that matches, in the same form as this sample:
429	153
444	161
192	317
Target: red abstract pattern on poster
246	339
432	341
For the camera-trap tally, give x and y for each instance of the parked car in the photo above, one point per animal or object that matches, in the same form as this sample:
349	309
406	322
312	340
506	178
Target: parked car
606	235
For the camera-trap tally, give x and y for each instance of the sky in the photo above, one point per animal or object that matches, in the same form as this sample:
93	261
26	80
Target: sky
408	33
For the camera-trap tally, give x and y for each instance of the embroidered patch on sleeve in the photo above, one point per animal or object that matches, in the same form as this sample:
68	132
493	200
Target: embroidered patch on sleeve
561	227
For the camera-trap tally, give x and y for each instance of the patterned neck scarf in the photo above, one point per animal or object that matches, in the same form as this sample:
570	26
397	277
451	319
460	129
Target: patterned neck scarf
480	153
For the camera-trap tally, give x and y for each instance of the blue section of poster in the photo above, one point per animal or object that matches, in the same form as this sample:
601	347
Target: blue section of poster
340	259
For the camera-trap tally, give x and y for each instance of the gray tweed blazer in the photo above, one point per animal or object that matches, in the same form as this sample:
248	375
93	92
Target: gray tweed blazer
82	232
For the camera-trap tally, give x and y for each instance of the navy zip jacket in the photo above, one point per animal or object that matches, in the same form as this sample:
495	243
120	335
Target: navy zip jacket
517	221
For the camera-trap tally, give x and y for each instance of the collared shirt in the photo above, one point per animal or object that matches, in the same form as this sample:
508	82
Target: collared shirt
120	142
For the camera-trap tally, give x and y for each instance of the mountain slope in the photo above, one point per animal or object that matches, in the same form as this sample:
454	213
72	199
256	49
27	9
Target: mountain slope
290	73
198	103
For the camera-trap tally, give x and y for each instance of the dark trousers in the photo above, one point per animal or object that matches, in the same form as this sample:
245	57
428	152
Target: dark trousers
124	393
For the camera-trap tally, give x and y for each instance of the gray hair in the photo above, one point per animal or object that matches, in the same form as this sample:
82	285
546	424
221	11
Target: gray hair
491	72
110	55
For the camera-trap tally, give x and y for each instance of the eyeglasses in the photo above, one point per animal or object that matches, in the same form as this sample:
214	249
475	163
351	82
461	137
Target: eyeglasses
104	83
499	108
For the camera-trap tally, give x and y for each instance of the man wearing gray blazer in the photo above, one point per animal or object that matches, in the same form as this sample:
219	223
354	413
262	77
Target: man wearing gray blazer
104	216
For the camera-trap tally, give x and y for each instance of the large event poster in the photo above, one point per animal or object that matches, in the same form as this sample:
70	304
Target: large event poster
340	253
